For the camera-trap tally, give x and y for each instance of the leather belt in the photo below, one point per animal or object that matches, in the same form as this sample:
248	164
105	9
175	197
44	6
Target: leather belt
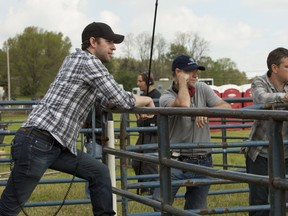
194	157
45	135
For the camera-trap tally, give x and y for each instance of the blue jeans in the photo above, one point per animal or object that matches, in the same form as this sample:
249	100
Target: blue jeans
33	155
97	154
195	197
259	194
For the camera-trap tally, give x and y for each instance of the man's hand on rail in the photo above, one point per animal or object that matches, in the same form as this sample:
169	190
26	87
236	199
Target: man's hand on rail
143	116
285	98
201	121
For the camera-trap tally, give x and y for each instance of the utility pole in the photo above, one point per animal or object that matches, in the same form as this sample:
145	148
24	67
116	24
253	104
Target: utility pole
8	75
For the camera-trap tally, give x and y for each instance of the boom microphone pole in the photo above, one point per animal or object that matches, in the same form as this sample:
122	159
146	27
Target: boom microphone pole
152	43
149	72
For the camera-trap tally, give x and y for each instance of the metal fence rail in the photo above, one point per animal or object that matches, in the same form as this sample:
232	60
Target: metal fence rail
275	118
276	179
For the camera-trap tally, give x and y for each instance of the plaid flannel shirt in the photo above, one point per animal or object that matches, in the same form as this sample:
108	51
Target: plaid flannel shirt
81	82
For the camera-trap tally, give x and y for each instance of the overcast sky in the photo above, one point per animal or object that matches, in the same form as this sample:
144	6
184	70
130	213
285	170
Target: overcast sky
243	30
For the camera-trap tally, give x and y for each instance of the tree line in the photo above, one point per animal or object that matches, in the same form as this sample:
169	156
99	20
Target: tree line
36	55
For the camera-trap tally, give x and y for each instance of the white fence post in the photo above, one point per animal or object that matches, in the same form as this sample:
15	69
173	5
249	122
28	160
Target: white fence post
111	159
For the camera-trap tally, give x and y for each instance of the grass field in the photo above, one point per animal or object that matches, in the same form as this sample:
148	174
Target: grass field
56	192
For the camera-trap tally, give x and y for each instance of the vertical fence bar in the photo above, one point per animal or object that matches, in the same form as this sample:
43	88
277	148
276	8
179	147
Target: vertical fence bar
123	161
276	168
165	172
93	131
104	135
224	141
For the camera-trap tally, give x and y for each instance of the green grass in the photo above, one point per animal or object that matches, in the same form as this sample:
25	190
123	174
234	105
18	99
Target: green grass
56	192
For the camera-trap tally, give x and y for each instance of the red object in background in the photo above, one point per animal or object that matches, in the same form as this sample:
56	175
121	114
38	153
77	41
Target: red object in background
216	89
212	120
232	91
246	93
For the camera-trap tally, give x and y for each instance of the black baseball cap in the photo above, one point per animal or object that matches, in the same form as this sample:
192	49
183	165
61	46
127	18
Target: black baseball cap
186	63
98	29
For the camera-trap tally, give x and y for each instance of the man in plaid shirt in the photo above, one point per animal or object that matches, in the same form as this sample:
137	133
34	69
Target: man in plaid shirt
48	138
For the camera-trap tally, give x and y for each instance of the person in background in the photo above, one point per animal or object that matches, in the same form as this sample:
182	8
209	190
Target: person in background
271	87
94	149
48	138
144	82
186	91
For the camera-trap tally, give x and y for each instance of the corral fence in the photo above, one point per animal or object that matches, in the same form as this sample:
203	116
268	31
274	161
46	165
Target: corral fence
220	174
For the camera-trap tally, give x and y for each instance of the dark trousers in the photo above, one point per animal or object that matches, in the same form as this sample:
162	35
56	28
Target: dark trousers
142	168
259	194
33	154
195	196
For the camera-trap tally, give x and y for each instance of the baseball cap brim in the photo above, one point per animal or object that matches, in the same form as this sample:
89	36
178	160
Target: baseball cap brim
193	67
116	38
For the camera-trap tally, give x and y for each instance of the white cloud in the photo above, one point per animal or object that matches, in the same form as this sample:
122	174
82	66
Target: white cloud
46	14
268	4
244	30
